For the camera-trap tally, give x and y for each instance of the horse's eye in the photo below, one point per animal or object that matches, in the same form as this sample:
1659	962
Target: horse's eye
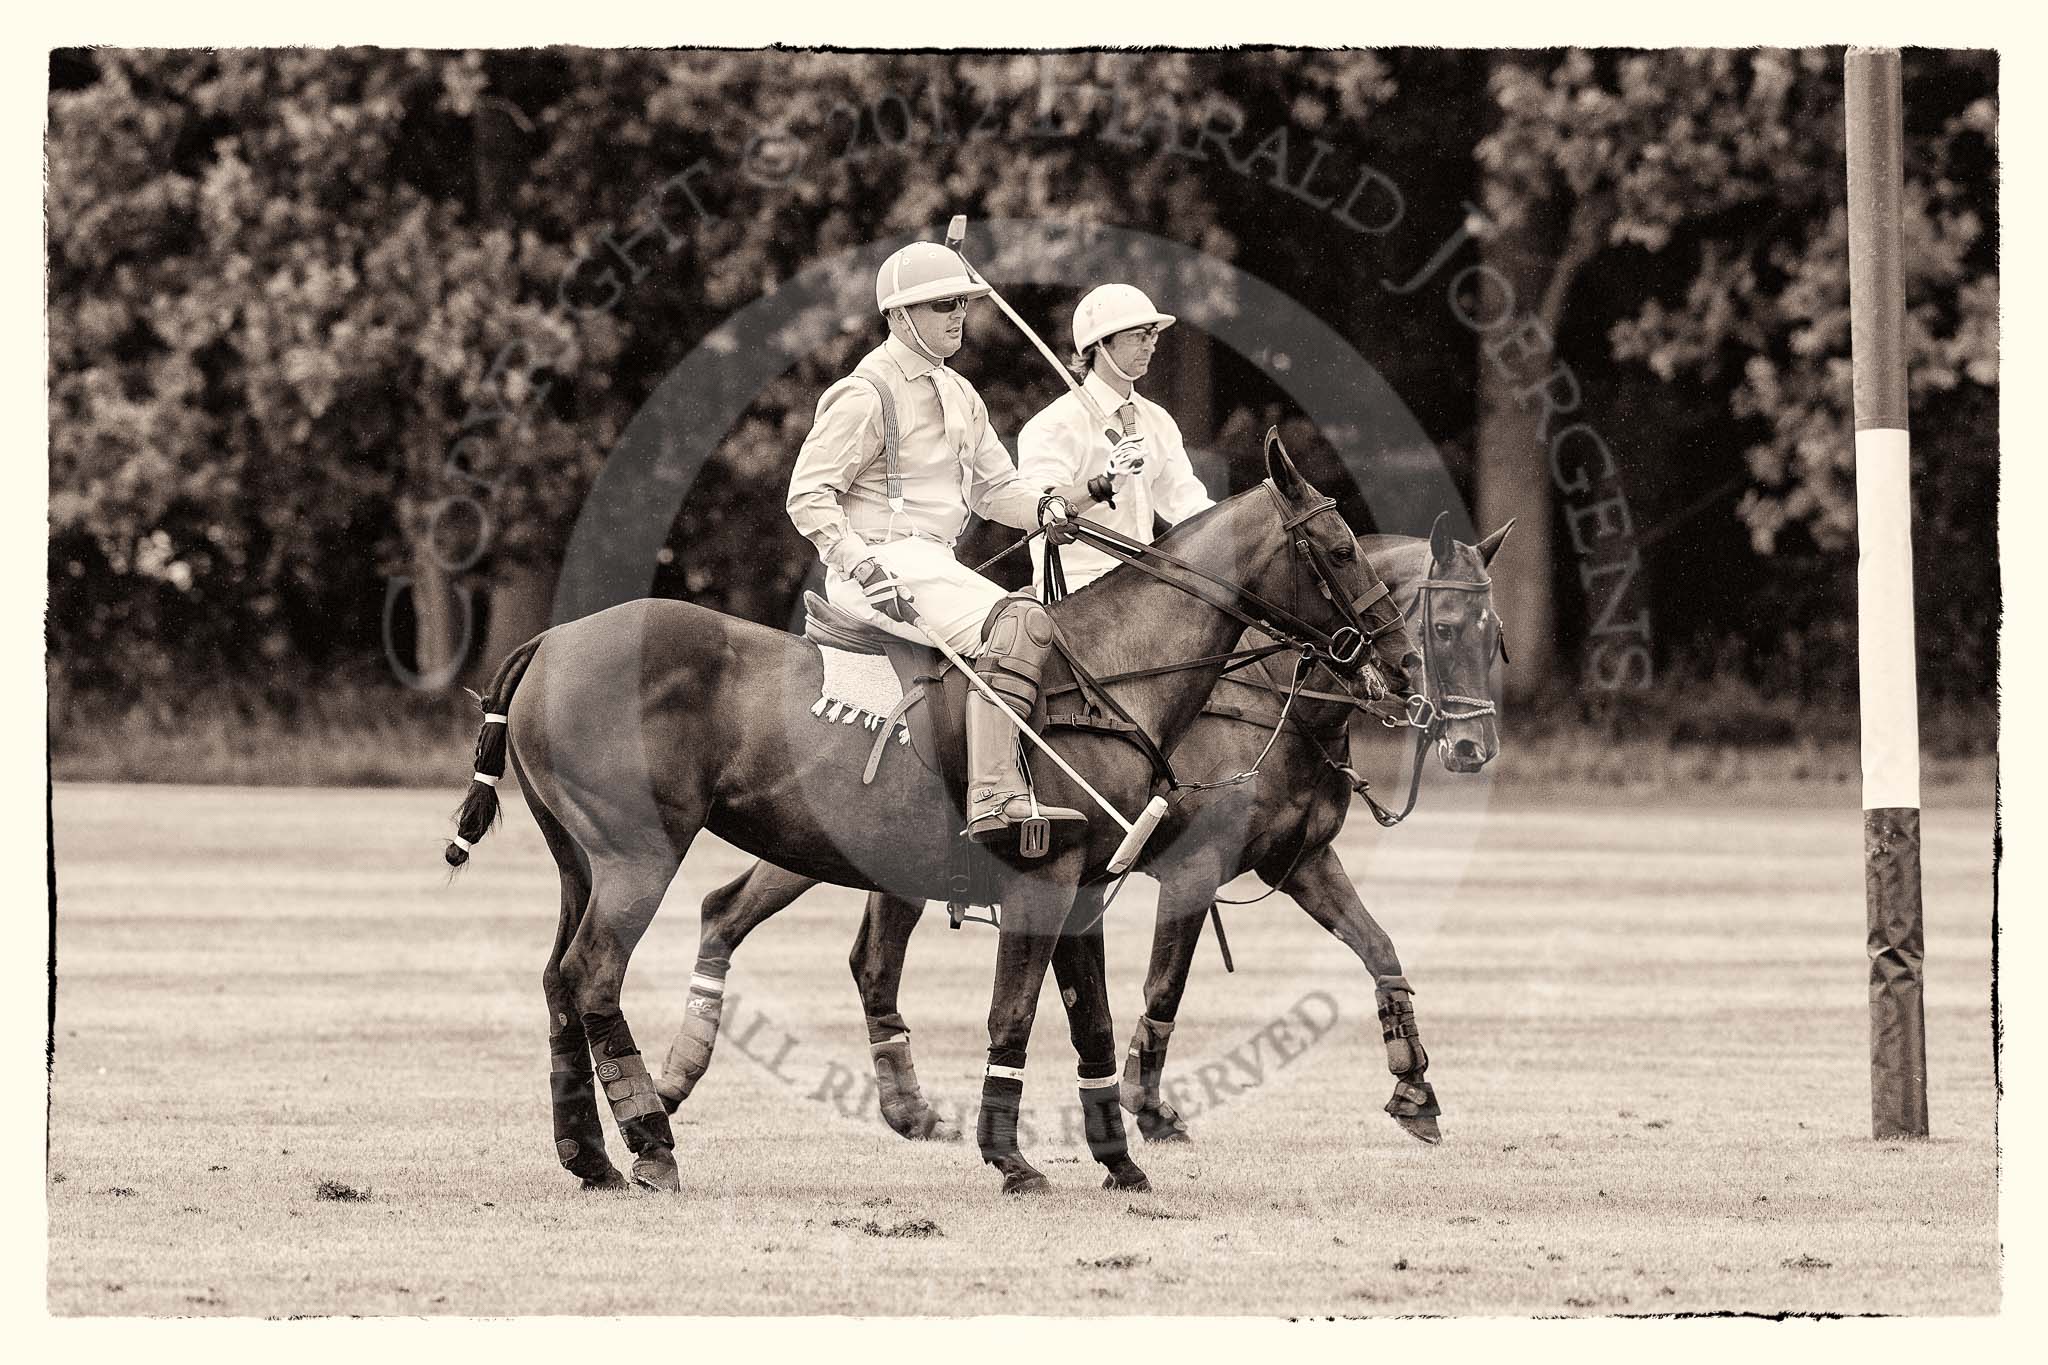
1443	631
1344	553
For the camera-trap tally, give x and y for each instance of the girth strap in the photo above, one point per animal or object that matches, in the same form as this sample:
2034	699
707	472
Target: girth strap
1234	660
1098	699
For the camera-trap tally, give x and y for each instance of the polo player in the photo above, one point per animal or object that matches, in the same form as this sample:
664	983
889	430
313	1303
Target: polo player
1116	330
900	453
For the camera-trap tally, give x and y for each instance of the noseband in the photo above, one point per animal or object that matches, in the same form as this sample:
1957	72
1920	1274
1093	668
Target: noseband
1437	702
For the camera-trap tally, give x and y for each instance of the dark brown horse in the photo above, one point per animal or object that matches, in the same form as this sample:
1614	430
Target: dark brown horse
1281	826
634	728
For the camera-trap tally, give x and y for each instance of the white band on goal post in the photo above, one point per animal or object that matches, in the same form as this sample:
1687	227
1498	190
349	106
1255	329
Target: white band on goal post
1887	681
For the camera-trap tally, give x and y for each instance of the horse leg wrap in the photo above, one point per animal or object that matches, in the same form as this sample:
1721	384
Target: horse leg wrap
579	1135
1102	1120
995	1127
903	1106
1143	1068
1145	1064
883	1027
636	1105
1414	1100
1405	1054
689	1052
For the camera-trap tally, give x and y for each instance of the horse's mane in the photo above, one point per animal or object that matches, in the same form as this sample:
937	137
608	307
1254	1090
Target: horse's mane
1187	525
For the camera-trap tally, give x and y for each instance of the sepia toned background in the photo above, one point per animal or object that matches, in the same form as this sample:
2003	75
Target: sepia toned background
339	341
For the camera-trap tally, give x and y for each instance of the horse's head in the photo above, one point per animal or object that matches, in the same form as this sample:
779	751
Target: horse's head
1335	589
1461	633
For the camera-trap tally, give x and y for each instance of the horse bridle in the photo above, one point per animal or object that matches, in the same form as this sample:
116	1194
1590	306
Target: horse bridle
1351	638
1426	712
1436	699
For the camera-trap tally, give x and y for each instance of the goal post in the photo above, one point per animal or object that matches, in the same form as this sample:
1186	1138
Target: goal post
1887	696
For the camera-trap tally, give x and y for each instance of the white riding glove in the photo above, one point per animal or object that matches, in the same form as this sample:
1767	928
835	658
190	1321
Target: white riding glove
1128	458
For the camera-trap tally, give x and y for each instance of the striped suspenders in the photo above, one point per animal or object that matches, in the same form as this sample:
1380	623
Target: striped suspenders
891	435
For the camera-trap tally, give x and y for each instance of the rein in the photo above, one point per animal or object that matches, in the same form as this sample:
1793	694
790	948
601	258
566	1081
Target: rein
1342	649
1427	712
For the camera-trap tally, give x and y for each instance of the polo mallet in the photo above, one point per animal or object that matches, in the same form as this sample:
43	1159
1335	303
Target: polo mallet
956	233
1136	832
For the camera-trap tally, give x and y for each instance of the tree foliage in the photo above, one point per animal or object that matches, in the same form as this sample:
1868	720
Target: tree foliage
319	319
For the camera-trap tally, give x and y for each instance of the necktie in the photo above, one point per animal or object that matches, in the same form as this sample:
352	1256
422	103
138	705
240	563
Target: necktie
1127	421
948	417
954	423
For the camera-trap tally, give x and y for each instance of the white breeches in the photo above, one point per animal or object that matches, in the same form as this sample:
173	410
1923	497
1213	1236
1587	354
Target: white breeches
952	599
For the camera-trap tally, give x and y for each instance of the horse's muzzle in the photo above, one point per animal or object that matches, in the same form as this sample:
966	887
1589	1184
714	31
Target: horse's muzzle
1405	676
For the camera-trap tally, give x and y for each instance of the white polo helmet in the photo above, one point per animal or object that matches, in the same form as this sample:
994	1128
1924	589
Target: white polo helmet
924	272
1112	308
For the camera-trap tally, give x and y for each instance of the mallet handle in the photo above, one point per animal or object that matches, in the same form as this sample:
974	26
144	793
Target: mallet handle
956	234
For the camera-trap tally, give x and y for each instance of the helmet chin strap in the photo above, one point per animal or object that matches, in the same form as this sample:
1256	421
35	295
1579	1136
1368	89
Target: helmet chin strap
923	347
1105	353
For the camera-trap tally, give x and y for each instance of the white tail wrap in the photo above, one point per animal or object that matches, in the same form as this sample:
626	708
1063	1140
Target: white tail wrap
494	718
462	843
484	778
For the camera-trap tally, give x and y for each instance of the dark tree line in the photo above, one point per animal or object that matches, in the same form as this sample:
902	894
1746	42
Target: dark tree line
340	339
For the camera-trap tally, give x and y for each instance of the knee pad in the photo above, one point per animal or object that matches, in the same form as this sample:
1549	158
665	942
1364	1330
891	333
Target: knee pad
1018	624
1017	637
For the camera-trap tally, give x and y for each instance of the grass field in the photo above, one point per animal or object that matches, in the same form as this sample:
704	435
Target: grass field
1646	1019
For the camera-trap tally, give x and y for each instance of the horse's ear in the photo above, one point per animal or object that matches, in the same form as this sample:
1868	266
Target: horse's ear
1441	545
1280	469
1491	545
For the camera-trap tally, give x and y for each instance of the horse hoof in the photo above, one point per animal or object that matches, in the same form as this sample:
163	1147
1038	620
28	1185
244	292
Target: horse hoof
1127	1177
656	1171
1157	1125
1423	1128
1025	1182
923	1125
610	1180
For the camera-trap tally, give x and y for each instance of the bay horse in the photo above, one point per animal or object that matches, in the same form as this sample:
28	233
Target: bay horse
632	729
1282	827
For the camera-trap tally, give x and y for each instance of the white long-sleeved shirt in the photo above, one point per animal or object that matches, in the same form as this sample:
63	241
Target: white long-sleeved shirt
951	461
1064	445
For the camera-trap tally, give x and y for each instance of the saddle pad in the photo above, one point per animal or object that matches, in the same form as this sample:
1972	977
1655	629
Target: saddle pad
857	687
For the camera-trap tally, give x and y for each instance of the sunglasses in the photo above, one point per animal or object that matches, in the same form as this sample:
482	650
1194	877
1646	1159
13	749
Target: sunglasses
947	306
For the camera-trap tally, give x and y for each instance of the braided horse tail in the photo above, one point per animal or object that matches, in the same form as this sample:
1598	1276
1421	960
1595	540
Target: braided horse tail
479	809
